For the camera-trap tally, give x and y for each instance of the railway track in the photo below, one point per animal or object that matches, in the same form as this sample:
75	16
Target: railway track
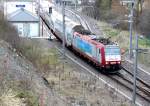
126	80
142	75
143	88
140	80
142	85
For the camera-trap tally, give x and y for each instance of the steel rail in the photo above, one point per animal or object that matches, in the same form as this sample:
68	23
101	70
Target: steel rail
92	73
145	90
129	87
138	78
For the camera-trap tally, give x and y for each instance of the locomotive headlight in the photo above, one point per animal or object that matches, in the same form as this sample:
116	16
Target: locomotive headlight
107	62
119	62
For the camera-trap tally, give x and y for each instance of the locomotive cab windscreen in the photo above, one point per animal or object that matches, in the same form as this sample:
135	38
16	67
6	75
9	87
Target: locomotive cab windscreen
112	54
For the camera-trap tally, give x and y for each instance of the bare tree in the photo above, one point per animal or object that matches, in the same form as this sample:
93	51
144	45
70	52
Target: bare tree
144	23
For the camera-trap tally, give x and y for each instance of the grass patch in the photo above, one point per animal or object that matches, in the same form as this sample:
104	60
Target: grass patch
19	98
107	30
145	42
110	32
29	98
122	36
144	59
43	58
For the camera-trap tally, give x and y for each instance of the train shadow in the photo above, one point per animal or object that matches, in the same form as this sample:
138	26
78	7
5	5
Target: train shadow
105	71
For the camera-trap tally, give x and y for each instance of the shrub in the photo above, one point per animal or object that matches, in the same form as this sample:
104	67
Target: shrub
9	33
30	98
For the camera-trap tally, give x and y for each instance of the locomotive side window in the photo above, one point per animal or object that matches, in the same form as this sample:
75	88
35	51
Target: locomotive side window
98	55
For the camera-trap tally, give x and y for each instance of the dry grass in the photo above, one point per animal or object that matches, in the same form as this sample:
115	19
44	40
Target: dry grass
122	38
10	99
16	93
66	79
8	33
77	87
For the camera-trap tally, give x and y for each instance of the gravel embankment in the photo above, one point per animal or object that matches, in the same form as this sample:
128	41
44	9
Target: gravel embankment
16	68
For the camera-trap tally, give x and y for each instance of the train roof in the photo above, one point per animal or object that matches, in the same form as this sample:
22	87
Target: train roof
105	41
80	29
56	16
102	40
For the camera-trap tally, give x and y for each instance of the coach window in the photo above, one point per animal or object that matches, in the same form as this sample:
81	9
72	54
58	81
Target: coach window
68	36
100	51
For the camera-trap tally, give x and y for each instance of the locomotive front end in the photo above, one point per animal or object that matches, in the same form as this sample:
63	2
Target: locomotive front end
112	56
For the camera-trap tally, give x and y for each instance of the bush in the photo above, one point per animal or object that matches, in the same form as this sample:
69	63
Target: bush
31	49
30	98
8	32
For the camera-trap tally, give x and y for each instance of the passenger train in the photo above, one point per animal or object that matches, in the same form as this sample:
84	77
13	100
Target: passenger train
100	51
